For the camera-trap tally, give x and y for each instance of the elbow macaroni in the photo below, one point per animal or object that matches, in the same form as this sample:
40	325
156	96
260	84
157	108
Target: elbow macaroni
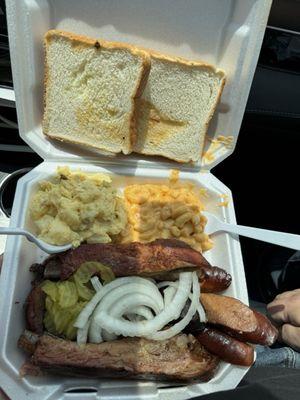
161	211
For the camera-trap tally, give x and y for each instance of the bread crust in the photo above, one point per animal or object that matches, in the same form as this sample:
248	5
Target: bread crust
181	60
82	40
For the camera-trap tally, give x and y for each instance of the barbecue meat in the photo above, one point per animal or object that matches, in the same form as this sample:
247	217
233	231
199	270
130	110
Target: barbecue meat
35	307
27	341
130	259
212	279
228	312
181	358
238	320
162	259
226	347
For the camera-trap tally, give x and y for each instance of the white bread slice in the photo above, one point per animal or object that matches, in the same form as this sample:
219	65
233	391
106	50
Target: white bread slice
176	106
90	90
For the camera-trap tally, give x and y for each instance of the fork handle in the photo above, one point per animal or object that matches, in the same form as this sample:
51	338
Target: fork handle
12	231
288	240
17	231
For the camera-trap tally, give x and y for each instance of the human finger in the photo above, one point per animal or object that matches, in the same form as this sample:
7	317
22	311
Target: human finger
290	335
285	310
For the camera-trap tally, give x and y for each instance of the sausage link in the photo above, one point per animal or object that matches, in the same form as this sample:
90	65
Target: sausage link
213	279
265	333
226	347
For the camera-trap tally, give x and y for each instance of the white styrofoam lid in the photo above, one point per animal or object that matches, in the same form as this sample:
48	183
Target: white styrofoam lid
225	33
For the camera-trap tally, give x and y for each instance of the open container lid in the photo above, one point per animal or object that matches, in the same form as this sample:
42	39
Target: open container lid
227	34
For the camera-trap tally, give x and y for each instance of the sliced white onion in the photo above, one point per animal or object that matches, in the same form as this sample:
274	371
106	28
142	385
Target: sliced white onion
134	317
107	336
124	298
87	311
130	302
147	328
179	326
142	311
134	298
169	294
95	332
200	309
139	314
97	285
117	308
132	289
82	334
163	284
120	294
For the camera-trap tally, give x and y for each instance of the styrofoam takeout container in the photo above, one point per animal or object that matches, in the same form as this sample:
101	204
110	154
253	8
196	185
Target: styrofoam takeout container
227	33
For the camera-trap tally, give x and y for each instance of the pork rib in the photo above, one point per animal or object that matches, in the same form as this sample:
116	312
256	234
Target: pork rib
154	258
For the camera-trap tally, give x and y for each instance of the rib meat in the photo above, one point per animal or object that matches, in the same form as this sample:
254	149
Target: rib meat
131	259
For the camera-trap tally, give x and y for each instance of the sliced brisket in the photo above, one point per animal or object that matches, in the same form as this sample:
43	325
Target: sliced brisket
179	358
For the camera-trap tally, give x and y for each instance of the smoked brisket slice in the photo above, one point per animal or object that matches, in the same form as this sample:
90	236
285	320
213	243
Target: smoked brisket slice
28	340
181	358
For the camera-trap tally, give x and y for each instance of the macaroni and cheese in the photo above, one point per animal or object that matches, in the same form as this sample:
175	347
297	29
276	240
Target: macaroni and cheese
165	211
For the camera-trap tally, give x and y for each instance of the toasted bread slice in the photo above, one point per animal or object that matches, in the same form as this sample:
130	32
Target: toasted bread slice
90	90
176	106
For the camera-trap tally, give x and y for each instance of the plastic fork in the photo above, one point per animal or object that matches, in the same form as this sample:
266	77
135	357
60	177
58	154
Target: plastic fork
283	239
48	248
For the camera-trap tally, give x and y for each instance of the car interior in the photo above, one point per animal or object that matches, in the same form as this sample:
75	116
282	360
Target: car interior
262	171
